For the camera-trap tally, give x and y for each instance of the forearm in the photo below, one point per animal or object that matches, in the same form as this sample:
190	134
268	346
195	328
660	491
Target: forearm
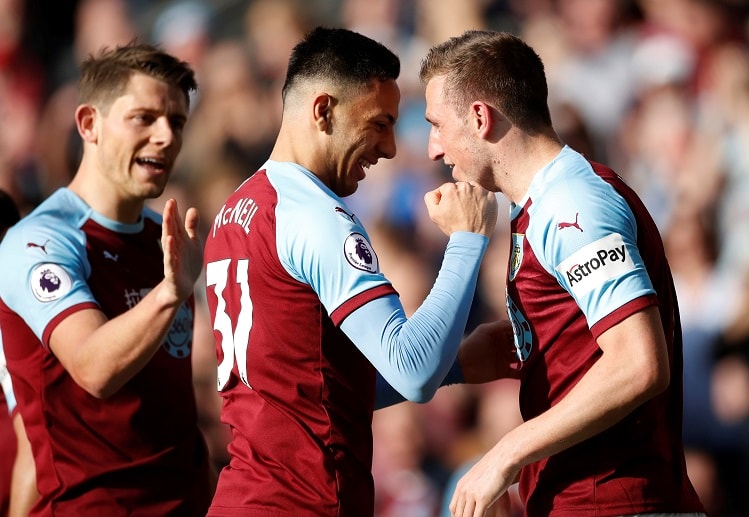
102	355
23	491
613	387
414	355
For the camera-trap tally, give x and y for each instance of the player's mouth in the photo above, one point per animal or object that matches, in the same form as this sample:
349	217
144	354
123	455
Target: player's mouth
363	166
152	164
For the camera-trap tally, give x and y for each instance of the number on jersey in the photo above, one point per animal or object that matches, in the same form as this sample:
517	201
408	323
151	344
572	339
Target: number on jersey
234	342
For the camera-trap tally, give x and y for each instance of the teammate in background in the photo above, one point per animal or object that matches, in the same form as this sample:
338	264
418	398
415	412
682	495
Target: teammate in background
590	299
17	485
301	313
97	315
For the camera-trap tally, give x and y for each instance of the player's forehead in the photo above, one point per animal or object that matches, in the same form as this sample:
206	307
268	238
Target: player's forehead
143	91
378	99
436	102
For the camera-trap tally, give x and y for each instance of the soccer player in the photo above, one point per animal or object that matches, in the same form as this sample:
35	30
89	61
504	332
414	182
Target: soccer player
97	314
301	313
590	299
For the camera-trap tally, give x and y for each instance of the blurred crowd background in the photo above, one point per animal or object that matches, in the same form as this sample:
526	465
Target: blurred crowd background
656	89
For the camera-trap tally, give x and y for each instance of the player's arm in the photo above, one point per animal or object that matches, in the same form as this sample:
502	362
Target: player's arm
486	354
23	492
102	355
415	354
633	368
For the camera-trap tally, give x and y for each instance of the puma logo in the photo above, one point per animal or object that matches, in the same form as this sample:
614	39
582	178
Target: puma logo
345	213
108	255
568	225
42	247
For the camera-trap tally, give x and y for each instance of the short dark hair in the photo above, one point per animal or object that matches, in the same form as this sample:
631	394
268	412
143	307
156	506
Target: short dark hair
495	67
340	56
105	76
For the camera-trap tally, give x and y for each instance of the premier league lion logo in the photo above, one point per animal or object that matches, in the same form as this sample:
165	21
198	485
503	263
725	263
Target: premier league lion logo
362	251
49	282
359	253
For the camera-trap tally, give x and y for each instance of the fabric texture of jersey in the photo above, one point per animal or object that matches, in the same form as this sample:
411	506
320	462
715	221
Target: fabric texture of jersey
140	450
288	260
585	255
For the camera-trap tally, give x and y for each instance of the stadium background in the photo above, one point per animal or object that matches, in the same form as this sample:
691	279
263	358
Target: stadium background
658	89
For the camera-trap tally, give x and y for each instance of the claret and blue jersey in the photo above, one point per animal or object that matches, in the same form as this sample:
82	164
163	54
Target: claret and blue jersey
302	316
302	429
65	258
586	255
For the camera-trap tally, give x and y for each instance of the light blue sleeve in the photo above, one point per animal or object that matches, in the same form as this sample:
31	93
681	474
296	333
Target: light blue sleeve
414	355
386	395
50	268
320	242
597	261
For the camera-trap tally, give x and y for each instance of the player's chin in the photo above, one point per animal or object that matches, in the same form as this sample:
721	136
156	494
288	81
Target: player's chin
152	189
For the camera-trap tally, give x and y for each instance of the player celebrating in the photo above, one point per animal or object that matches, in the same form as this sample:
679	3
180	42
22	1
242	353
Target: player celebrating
301	313
589	294
97	319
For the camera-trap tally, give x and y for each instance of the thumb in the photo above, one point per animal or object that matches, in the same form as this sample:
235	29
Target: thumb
433	197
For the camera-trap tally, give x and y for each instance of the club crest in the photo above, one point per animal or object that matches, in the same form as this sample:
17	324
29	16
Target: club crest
179	339
516	255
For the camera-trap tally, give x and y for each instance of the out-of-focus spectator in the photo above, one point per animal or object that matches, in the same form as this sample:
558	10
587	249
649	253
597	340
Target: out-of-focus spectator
402	488
594	75
184	29
707	303
730	399
21	89
232	129
271	29
98	24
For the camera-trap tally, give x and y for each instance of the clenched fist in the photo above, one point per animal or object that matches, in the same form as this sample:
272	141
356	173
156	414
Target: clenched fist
462	206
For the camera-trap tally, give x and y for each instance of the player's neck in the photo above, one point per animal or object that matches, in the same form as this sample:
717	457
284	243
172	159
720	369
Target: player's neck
104	198
530	155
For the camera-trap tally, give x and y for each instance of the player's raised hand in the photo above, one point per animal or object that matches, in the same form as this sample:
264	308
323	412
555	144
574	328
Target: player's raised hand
183	249
462	206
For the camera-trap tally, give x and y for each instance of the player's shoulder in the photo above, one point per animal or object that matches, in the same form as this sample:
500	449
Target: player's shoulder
57	219
570	184
304	199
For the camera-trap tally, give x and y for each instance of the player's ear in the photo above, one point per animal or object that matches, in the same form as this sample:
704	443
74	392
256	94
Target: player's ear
488	122
85	120
322	111
482	118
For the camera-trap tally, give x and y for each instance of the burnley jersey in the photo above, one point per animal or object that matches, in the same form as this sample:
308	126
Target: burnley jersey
286	262
139	451
586	255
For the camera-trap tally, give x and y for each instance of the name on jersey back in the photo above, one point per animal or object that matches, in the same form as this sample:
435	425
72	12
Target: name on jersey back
241	214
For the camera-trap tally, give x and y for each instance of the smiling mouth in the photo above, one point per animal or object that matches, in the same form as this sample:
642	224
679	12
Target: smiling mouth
153	164
364	165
